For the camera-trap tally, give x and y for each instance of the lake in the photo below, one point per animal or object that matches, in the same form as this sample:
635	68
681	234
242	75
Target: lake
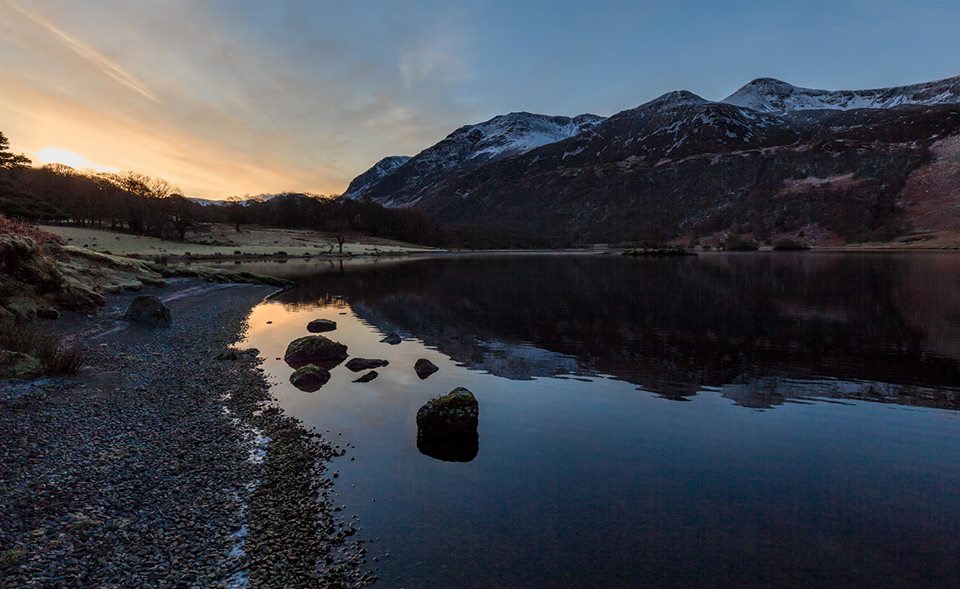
747	420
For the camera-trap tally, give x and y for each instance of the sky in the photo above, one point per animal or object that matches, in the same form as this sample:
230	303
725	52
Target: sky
234	97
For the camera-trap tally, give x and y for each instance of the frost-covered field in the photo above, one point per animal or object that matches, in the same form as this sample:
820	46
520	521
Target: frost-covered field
224	240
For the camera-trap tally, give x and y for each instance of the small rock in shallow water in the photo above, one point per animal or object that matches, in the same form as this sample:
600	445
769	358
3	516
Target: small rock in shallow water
309	378
368	376
321	325
358	364
392	339
425	368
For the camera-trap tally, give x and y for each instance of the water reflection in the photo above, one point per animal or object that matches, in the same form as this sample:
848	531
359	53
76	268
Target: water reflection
449	447
590	475
751	327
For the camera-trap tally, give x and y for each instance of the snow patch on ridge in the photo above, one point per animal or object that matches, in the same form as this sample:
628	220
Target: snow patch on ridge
775	96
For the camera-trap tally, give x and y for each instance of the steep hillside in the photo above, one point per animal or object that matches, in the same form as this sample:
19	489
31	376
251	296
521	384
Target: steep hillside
771	161
362	183
469	147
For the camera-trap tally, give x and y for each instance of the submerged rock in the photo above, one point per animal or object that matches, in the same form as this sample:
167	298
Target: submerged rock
368	376
447	427
425	368
147	310
321	325
309	378
315	349
358	364
392	339
18	365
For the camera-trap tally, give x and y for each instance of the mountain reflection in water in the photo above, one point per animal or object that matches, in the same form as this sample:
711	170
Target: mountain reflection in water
584	471
759	329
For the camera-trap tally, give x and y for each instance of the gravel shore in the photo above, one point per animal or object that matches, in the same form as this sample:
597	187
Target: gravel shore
164	465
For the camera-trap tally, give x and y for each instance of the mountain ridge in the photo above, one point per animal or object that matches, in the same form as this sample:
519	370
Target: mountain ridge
683	165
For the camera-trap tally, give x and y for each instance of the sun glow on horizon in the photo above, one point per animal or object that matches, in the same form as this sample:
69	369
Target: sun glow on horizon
58	155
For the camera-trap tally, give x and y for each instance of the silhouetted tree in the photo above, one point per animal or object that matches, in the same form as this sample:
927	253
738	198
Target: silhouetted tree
8	159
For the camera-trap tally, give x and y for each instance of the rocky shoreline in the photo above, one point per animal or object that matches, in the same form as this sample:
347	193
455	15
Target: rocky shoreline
165	463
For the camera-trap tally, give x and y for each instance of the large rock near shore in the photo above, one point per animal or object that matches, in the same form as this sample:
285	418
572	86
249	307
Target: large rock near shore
309	378
147	310
321	325
315	349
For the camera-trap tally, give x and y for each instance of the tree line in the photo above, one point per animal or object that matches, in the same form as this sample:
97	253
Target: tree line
144	205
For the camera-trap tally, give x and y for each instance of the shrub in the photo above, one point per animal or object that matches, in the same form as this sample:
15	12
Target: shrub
789	245
735	243
55	356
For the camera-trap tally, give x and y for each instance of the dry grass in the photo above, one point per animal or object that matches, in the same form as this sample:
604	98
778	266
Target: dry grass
55	356
15	227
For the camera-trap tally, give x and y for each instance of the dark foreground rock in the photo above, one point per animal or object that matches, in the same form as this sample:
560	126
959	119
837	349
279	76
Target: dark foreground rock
359	364
309	378
368	376
424	368
315	349
392	339
134	475
18	365
321	325
447	427
149	311
455	412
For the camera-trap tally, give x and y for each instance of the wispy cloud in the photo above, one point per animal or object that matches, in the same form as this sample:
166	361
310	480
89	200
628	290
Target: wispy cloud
105	65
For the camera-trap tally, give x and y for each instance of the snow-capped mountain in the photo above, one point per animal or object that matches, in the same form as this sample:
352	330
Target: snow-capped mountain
467	147
362	183
772	159
774	96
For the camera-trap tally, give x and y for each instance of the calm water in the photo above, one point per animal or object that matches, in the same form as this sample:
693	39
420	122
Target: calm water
751	420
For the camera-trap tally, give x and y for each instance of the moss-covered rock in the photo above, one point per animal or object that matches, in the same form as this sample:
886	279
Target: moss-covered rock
309	378
455	412
447	427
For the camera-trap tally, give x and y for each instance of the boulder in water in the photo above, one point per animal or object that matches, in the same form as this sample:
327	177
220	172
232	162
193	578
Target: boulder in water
315	349
321	325
424	368
358	364
309	378
447	427
455	412
147	310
